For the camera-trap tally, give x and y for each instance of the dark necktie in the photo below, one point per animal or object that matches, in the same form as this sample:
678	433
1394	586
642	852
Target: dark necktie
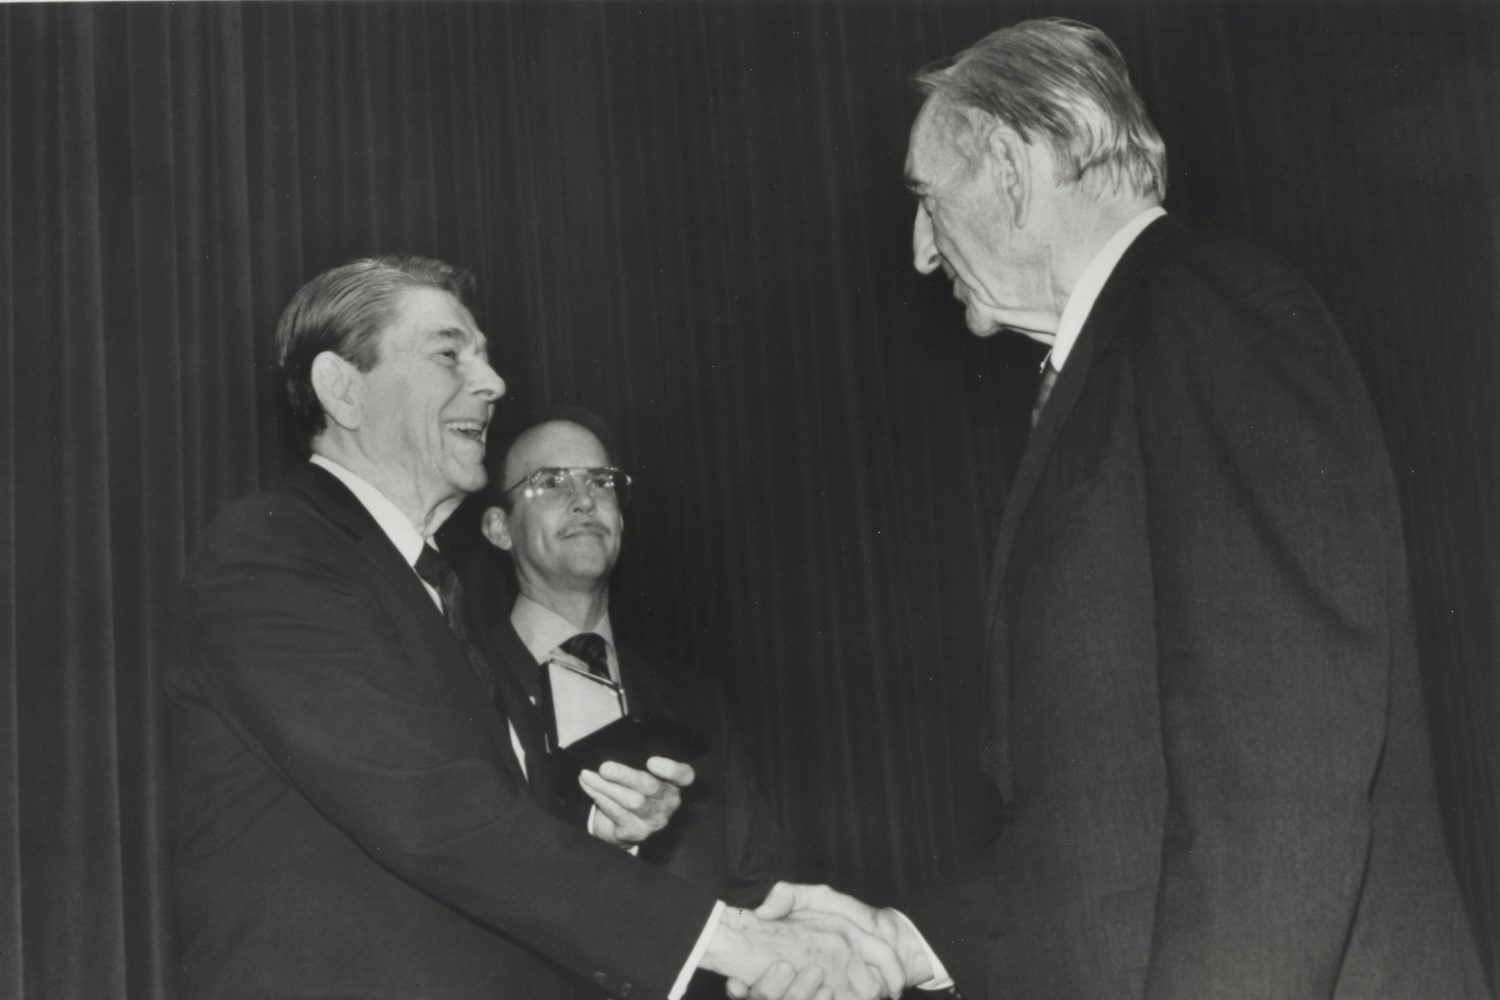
1049	379
591	649
439	575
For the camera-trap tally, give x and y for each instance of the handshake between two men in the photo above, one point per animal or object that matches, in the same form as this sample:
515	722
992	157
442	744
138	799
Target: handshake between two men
809	942
803	942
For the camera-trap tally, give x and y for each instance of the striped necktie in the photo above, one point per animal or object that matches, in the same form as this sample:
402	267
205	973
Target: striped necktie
591	648
1049	379
440	576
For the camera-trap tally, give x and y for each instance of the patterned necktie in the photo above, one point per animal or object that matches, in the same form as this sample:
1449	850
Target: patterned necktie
1049	379
591	649
439	575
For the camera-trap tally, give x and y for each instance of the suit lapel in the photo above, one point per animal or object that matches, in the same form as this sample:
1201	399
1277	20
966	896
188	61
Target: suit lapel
1034	459
516	682
1099	331
445	655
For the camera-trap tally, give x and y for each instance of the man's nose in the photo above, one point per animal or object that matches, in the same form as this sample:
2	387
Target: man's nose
924	252
583	493
485	382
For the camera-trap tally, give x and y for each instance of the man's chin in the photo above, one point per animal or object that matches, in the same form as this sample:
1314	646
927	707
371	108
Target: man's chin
467	478
982	324
589	569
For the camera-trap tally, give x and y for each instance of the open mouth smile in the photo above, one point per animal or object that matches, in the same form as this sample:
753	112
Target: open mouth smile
471	429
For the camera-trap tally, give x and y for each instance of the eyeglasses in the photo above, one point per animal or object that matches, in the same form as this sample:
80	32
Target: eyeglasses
606	485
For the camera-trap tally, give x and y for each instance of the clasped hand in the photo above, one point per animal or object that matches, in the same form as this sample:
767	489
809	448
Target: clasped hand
831	947
634	804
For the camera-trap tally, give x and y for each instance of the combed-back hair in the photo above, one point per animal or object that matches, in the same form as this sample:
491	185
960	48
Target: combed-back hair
343	310
1066	83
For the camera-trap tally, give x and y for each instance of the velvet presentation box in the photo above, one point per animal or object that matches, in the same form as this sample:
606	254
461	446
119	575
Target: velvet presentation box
587	724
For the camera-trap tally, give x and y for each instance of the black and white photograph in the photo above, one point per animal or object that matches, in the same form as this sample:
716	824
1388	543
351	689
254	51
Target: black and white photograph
1059	445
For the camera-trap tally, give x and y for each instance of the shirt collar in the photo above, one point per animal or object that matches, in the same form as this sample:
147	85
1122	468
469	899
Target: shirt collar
397	527
543	630
1091	283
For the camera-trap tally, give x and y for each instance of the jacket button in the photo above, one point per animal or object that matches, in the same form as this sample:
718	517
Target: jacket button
600	978
624	991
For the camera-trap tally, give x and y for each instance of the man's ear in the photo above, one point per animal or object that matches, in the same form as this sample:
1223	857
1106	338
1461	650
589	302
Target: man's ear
1010	158
338	385
495	524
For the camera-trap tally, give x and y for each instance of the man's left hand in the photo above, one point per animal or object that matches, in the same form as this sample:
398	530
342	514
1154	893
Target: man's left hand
789	901
631	804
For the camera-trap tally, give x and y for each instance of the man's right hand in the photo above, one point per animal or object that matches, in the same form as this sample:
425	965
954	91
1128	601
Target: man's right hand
804	956
791	901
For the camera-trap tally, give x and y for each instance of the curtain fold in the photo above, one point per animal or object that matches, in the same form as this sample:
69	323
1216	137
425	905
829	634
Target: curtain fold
690	217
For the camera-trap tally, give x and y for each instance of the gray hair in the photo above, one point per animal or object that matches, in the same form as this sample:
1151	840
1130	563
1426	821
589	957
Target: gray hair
1066	83
343	310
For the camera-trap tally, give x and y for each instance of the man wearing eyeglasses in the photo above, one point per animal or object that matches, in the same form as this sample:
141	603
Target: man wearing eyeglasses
560	518
559	515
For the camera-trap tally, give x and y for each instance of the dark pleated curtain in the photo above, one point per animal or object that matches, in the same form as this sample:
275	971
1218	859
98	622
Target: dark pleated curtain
690	217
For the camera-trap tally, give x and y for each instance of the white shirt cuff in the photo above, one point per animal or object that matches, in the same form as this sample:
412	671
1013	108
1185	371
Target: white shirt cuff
940	979
634	850
680	986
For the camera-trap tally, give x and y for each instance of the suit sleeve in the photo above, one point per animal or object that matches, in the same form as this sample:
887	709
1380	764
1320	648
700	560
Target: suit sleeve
1267	489
297	648
725	834
753	836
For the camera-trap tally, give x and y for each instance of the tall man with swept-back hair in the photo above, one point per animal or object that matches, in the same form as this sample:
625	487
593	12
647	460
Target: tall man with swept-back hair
1206	719
355	816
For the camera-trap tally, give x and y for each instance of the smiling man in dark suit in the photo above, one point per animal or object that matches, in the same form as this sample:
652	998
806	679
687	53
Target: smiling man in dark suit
352	818
1206	716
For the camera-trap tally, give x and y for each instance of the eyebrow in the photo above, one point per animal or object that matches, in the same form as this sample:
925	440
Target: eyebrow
461	337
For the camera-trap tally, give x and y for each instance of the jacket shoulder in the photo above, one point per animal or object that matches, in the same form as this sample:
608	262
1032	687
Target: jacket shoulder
303	513
1216	261
1221	295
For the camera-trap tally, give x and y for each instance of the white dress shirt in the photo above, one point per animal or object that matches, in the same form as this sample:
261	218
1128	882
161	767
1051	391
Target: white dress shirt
543	630
1086	292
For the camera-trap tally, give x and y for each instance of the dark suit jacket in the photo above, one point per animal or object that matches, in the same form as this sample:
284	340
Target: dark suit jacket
722	837
351	820
1207	720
